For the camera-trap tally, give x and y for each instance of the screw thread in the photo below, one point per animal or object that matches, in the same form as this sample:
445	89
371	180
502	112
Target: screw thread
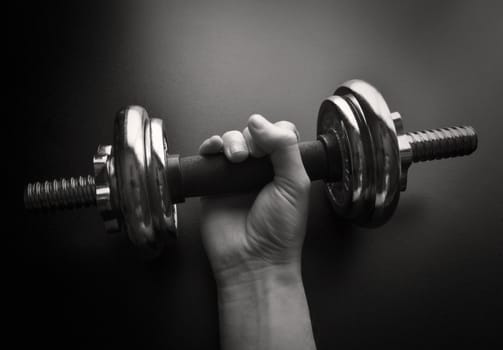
61	194
442	143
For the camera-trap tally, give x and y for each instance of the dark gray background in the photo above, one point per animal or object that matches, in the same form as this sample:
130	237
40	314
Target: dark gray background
429	278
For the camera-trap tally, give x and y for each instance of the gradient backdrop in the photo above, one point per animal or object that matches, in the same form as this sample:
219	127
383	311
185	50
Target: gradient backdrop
431	277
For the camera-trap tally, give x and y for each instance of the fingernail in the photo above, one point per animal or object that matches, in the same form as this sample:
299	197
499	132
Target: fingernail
236	149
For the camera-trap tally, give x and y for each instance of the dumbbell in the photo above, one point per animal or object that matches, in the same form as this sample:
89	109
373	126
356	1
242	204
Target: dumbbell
361	153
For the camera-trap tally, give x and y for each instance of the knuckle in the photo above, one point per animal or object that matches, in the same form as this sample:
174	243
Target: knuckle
285	124
288	138
290	128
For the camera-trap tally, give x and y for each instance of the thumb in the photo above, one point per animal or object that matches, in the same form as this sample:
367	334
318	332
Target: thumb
280	142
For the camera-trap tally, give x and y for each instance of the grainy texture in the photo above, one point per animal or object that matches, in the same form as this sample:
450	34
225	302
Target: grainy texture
429	278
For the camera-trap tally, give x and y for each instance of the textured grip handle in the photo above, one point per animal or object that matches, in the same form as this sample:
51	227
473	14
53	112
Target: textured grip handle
212	175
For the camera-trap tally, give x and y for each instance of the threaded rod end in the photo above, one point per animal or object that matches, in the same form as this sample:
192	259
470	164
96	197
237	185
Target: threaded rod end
61	194
442	143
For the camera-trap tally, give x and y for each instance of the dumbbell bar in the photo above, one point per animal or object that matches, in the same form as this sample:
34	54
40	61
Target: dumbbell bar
361	152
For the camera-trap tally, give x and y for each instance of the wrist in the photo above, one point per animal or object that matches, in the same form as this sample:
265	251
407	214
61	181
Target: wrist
265	308
257	279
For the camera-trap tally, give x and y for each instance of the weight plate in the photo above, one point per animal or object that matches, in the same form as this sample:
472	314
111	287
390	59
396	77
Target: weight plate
349	196
387	164
131	149
163	210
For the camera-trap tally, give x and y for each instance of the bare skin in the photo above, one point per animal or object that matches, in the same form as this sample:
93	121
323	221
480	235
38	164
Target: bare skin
254	243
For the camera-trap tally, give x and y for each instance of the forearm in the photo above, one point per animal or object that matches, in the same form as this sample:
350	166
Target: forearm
265	309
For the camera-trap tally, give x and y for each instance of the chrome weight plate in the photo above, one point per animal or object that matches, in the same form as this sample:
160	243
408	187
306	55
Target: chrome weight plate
349	196
163	210
386	154
139	160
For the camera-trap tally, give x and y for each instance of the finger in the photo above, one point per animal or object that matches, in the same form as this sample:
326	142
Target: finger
280	142
211	145
235	147
253	148
284	124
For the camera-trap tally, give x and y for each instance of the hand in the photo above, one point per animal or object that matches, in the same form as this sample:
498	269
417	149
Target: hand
255	232
254	243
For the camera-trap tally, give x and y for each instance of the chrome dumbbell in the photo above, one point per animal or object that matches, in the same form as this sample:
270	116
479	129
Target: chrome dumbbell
361	152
